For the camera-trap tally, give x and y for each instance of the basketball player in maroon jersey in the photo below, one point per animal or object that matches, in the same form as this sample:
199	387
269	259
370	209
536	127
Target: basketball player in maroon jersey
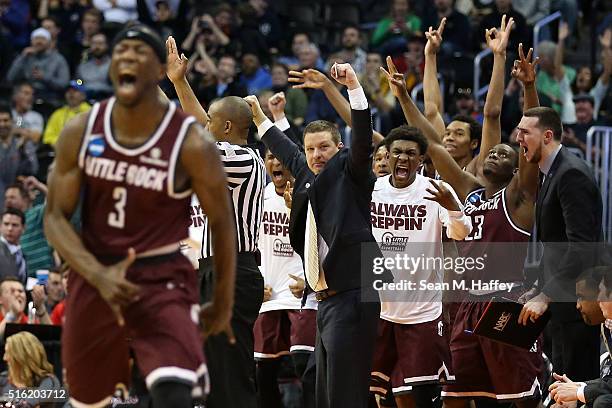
136	159
502	211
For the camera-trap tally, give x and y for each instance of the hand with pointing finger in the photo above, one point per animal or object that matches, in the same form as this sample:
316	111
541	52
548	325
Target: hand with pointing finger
497	40
288	195
434	38
397	83
297	288
524	69
115	289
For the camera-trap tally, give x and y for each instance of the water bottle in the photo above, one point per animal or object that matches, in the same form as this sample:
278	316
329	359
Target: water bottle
31	313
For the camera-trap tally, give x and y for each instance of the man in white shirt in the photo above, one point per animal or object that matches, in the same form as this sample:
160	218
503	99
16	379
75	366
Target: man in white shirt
412	349
281	328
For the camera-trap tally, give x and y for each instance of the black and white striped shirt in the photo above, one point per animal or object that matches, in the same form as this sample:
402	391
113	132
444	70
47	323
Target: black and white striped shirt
246	176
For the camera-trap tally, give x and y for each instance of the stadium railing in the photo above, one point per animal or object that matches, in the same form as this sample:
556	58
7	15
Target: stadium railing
537	29
599	157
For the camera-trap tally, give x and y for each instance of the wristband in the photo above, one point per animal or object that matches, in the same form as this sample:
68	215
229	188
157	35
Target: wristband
10	317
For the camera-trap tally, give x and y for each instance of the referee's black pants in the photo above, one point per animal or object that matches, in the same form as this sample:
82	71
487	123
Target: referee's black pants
232	367
346	335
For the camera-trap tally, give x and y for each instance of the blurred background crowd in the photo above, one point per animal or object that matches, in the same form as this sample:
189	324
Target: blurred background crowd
55	54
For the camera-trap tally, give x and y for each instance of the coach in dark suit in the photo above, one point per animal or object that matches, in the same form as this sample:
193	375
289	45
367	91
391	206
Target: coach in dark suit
568	223
336	183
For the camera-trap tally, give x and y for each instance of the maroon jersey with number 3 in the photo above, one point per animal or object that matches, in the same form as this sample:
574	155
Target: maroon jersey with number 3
129	197
494	236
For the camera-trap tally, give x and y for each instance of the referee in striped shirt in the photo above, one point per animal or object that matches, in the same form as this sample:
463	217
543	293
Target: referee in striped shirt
231	366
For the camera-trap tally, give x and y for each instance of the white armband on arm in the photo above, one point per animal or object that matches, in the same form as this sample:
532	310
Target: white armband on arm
282	124
358	99
263	128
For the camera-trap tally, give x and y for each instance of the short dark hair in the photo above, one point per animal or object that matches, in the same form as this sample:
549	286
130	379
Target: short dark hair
94	12
22	190
475	126
52	18
15	211
380	144
548	119
280	64
10	278
17	87
323	126
302	32
406	132
353	26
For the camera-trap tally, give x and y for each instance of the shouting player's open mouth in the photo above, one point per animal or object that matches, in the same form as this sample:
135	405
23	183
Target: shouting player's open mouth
401	172
127	82
277	176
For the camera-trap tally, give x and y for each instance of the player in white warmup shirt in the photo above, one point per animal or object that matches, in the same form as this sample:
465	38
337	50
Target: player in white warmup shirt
282	326
408	213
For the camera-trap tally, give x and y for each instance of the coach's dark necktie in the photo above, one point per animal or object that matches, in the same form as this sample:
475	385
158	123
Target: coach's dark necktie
20	263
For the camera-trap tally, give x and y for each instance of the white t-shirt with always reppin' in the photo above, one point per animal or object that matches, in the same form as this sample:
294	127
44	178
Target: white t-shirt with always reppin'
278	259
404	222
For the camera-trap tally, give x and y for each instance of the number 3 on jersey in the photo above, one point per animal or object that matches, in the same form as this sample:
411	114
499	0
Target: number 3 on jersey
477	223
116	218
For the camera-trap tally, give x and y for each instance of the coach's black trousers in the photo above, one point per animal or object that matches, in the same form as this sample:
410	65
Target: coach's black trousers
575	345
346	334
232	367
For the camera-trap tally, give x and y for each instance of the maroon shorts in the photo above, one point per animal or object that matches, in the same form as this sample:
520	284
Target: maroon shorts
280	332
486	368
406	355
160	328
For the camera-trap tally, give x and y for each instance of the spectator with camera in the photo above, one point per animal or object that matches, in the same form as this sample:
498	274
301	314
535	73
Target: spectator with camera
204	28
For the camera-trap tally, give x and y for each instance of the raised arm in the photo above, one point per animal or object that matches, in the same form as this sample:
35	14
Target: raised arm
200	159
313	79
434	106
524	186
176	71
559	54
461	181
287	152
360	153
497	41
525	71
64	191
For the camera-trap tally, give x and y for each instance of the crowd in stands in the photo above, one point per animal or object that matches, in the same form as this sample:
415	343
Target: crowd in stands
55	56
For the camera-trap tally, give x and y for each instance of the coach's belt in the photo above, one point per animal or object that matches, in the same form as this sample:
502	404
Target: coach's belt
324	294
